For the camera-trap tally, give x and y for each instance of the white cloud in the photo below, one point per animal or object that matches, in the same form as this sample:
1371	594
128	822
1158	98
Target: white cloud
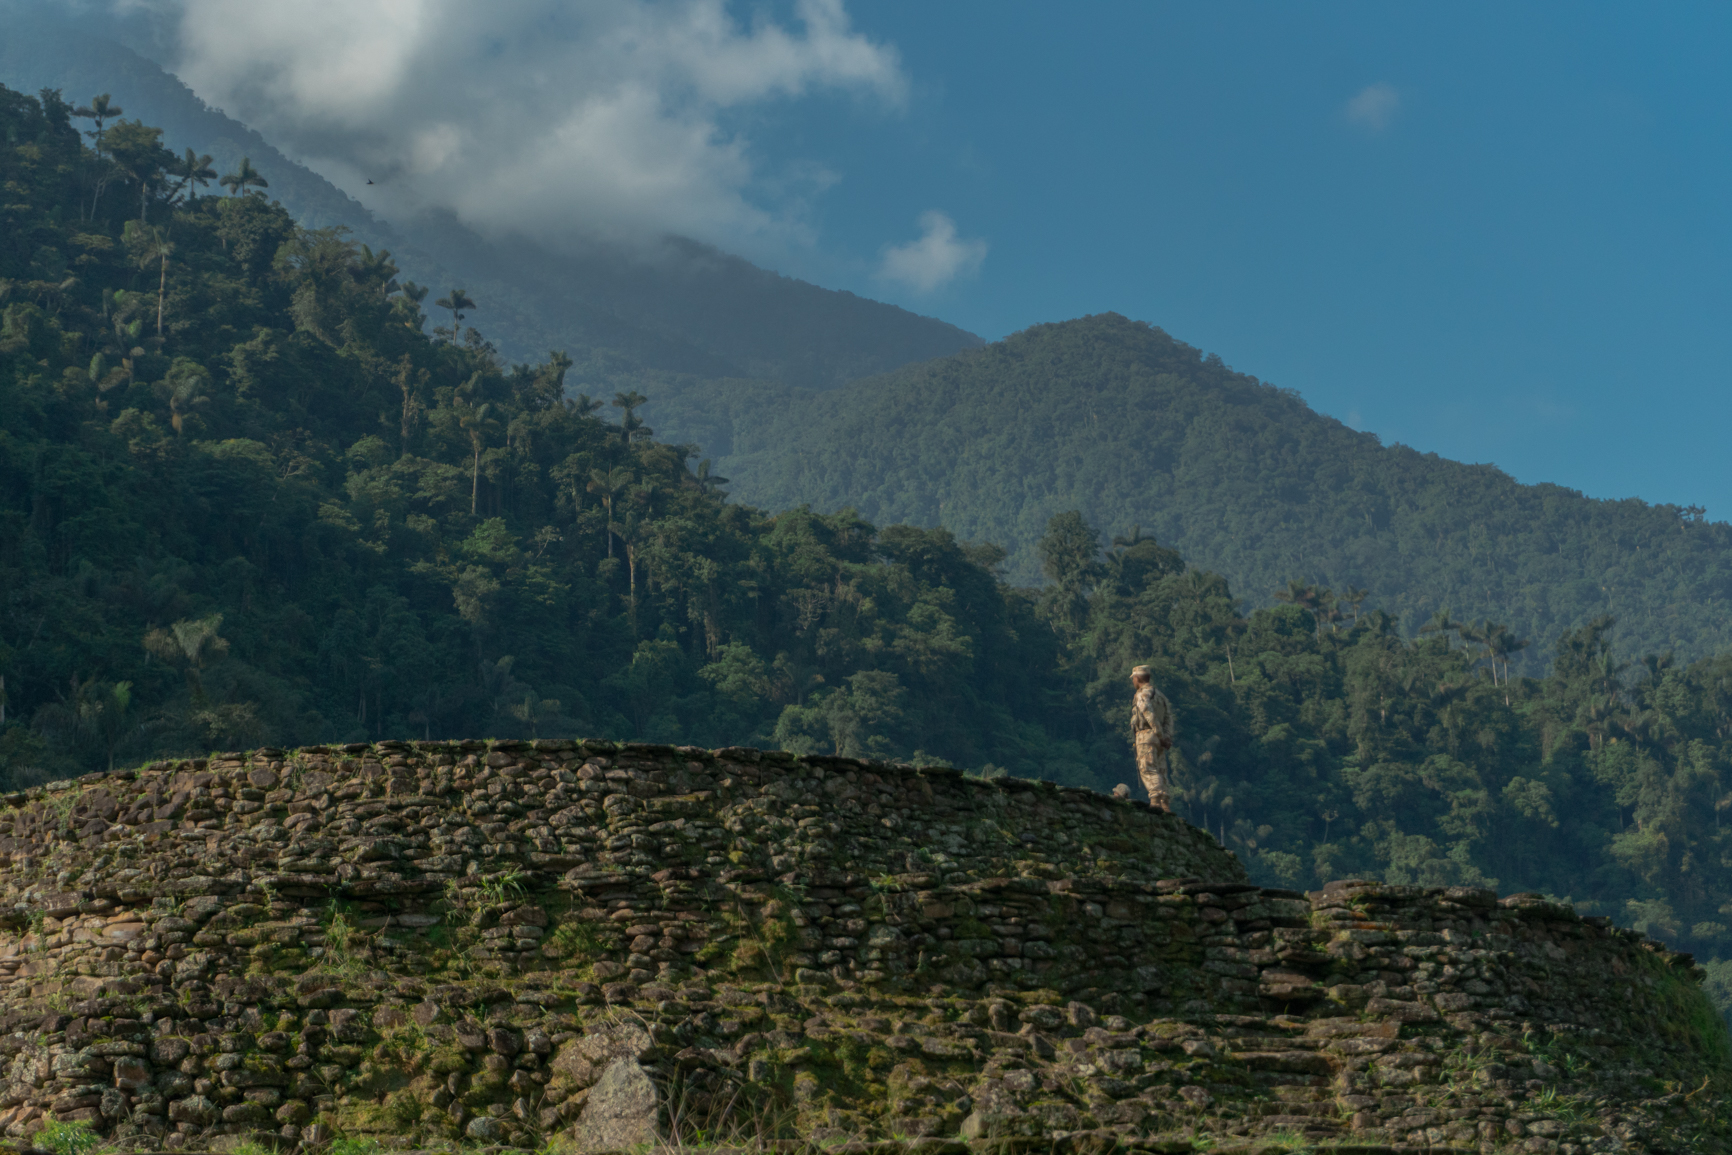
548	117
937	258
1374	107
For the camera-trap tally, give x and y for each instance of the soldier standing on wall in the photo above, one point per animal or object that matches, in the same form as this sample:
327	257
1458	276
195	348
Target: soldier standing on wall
1152	733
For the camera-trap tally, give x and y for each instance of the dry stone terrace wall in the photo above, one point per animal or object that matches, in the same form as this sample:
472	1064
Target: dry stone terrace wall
456	942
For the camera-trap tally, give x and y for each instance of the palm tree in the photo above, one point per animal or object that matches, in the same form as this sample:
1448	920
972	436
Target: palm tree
150	245
1502	645
108	718
1315	600
192	643
376	270
121	309
631	532
99	109
194	171
244	178
1441	624
477	421
631	427
457	301
609	485
95	712
410	381
532	712
1472	635
710	482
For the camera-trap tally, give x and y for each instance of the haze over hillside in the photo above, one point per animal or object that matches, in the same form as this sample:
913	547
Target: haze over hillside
683	308
1133	428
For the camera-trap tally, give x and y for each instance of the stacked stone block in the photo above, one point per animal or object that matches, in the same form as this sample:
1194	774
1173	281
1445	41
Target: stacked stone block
512	942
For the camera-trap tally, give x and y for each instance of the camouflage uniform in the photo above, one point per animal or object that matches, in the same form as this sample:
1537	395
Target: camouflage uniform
1152	733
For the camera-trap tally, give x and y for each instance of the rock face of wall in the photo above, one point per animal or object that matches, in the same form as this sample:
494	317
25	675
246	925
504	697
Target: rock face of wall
599	945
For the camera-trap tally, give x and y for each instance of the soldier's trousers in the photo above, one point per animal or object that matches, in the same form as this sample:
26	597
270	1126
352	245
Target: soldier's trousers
1152	767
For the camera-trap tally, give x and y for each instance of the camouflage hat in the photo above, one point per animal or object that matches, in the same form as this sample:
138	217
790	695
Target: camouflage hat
1147	671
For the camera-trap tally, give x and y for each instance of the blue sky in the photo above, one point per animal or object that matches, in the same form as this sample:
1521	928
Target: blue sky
1493	231
1517	250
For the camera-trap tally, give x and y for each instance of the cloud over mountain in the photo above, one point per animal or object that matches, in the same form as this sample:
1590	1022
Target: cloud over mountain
936	258
616	117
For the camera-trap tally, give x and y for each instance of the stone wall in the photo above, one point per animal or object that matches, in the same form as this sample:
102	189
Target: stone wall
502	944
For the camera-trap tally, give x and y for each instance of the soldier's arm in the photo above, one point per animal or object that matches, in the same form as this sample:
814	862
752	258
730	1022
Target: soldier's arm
1165	722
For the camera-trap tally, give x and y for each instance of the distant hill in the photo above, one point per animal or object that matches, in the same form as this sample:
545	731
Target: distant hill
692	310
1117	419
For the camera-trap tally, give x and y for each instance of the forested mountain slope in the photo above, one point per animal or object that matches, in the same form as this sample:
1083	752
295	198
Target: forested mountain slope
1118	420
244	495
623	316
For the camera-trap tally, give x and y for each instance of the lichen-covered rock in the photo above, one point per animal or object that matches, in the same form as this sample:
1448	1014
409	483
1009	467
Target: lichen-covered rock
511	943
622	1111
484	1130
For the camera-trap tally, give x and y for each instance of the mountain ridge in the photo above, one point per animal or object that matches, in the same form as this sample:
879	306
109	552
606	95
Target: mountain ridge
688	309
1119	420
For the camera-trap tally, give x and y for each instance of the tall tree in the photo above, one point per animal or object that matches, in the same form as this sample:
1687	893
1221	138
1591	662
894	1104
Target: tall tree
609	485
149	245
456	300
245	178
100	109
1441	625
631	426
195	172
137	153
193	644
410	383
477	421
1069	556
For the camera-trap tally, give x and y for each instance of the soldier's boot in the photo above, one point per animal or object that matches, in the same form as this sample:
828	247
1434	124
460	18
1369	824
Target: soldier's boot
1158	801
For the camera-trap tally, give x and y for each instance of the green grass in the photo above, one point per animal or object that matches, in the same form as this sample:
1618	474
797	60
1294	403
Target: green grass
70	1138
1688	1017
354	1145
500	889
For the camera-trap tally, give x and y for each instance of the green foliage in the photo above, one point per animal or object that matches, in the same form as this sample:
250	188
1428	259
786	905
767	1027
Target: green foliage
354	1145
1717	986
64	1138
1131	427
284	514
343	942
504	888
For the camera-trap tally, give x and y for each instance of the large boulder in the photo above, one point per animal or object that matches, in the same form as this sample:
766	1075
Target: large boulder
622	1111
580	1061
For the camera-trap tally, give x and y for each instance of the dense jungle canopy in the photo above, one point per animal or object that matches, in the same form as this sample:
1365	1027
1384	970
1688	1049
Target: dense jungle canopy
247	497
1117	419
